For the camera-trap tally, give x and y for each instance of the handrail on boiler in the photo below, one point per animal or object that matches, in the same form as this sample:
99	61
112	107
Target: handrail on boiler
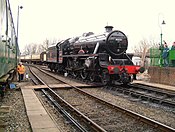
92	38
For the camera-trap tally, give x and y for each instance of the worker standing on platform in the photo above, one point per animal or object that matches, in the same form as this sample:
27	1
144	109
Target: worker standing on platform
21	71
165	54
173	48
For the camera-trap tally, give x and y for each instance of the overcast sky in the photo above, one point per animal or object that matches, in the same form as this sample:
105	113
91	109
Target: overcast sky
60	19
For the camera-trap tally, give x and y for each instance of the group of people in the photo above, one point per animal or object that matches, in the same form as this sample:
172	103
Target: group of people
165	54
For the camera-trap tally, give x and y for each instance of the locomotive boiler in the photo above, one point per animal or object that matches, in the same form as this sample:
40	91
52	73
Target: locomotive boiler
97	57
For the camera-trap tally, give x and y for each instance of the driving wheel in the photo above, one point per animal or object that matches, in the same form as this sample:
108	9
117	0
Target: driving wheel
92	77
105	78
84	74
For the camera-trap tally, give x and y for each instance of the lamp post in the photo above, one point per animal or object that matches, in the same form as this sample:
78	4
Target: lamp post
17	28
161	41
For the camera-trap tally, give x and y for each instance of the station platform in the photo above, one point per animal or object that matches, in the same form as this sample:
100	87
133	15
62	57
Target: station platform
158	85
39	119
162	75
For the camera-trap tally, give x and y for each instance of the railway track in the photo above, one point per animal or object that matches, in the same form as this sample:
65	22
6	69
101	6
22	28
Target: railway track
55	98
103	111
146	93
143	93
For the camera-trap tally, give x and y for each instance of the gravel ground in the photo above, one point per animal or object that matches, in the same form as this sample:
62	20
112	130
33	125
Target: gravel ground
161	114
16	119
64	125
106	117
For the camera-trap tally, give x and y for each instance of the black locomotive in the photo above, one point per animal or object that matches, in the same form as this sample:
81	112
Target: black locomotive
95	57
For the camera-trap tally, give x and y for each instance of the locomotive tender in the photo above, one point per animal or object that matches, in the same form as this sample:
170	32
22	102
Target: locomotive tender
95	57
9	50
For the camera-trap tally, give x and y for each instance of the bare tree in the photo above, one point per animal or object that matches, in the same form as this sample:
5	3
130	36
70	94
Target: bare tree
30	49
40	49
45	45
27	49
34	48
143	48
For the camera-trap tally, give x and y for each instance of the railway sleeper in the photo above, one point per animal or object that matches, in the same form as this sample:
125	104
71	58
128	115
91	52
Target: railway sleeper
167	103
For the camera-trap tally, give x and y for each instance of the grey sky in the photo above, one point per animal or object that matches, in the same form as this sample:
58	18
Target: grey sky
138	19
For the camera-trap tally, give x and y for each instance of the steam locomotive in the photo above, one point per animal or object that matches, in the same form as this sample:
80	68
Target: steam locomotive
95	57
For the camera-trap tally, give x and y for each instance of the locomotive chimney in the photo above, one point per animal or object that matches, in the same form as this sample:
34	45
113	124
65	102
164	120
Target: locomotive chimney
109	28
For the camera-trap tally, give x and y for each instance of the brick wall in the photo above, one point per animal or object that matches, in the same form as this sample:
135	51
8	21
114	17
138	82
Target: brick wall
162	75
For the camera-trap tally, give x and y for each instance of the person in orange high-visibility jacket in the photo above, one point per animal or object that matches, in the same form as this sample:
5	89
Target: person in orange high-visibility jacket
21	71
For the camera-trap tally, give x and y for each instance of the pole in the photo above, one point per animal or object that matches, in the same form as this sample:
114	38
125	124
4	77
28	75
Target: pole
17	28
161	40
161	49
17	23
17	37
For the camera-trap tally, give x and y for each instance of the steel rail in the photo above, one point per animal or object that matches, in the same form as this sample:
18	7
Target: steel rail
68	116
92	124
153	89
147	96
137	116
